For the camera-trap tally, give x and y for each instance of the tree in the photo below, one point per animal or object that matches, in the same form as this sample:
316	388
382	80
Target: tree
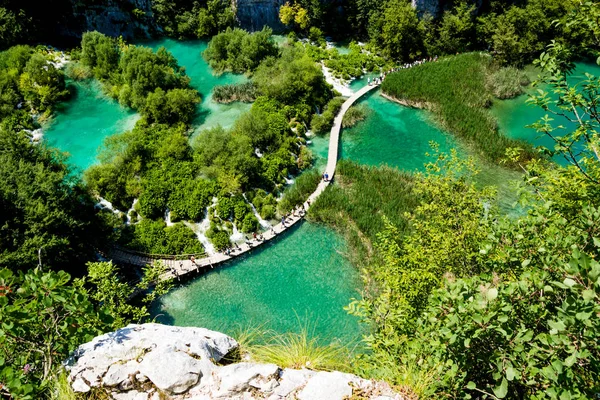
457	29
100	53
400	36
43	317
49	215
10	27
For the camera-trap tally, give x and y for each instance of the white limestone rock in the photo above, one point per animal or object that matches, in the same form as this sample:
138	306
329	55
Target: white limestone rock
236	379
172	358
171	370
152	361
327	385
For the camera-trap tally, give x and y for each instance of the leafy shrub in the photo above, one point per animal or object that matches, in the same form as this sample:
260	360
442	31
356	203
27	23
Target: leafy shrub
239	51
220	240
250	224
156	237
150	82
322	123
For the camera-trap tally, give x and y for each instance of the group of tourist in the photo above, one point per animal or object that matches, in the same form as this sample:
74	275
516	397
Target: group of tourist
378	80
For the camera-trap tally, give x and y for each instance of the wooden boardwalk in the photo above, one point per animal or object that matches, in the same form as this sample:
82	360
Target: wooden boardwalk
181	268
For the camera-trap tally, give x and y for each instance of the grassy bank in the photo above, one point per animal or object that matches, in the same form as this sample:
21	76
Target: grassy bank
459	91
359	200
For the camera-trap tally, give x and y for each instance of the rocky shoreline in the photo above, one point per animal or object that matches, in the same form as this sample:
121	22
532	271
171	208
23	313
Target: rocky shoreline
154	361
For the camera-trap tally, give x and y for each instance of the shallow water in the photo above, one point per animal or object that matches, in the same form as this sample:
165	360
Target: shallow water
514	115
209	113
82	123
392	135
301	277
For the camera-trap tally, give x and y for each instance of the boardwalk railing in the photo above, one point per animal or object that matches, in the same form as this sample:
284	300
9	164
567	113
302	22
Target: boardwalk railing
181	265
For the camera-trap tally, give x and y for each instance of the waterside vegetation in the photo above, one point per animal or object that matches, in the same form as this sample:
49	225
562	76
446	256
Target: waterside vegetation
461	105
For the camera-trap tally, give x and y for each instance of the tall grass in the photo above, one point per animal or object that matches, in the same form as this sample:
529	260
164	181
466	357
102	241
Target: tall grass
303	349
455	88
354	115
244	92
60	389
297	194
507	82
360	199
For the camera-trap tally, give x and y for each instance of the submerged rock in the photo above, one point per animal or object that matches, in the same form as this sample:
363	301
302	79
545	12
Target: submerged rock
153	361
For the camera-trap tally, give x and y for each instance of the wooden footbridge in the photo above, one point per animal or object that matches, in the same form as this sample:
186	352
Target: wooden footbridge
181	266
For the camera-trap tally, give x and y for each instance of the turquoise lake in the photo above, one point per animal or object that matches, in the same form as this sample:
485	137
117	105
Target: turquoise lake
303	276
515	114
82	123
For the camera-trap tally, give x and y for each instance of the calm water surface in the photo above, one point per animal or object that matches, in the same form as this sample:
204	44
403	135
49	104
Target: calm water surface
82	123
300	277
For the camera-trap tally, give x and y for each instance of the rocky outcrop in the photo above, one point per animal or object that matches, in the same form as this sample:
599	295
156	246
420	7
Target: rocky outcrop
154	361
127	18
431	7
254	14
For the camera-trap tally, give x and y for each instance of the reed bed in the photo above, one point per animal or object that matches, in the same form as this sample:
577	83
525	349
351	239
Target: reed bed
360	199
455	90
244	92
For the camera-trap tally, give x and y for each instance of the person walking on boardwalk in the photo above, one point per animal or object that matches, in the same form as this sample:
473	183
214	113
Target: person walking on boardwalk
193	260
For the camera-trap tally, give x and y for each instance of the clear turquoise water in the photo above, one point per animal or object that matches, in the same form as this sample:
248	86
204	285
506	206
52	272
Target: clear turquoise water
82	123
209	113
514	115
392	135
301	277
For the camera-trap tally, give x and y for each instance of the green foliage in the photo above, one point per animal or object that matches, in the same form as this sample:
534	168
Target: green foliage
244	92
236	50
300	82
401	33
297	194
513	302
360	199
220	240
150	82
48	215
28	80
520	33
294	14
461	105
156	237
322	123
354	115
43	317
507	82
114	294
185	19
10	28
100	53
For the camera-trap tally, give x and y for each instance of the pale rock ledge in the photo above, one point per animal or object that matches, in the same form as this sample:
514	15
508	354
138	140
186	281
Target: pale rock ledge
153	362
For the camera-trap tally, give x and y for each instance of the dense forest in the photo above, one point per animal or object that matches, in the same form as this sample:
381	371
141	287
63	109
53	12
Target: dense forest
460	299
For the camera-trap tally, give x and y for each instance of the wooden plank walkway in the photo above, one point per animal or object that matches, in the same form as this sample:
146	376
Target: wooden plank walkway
182	268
